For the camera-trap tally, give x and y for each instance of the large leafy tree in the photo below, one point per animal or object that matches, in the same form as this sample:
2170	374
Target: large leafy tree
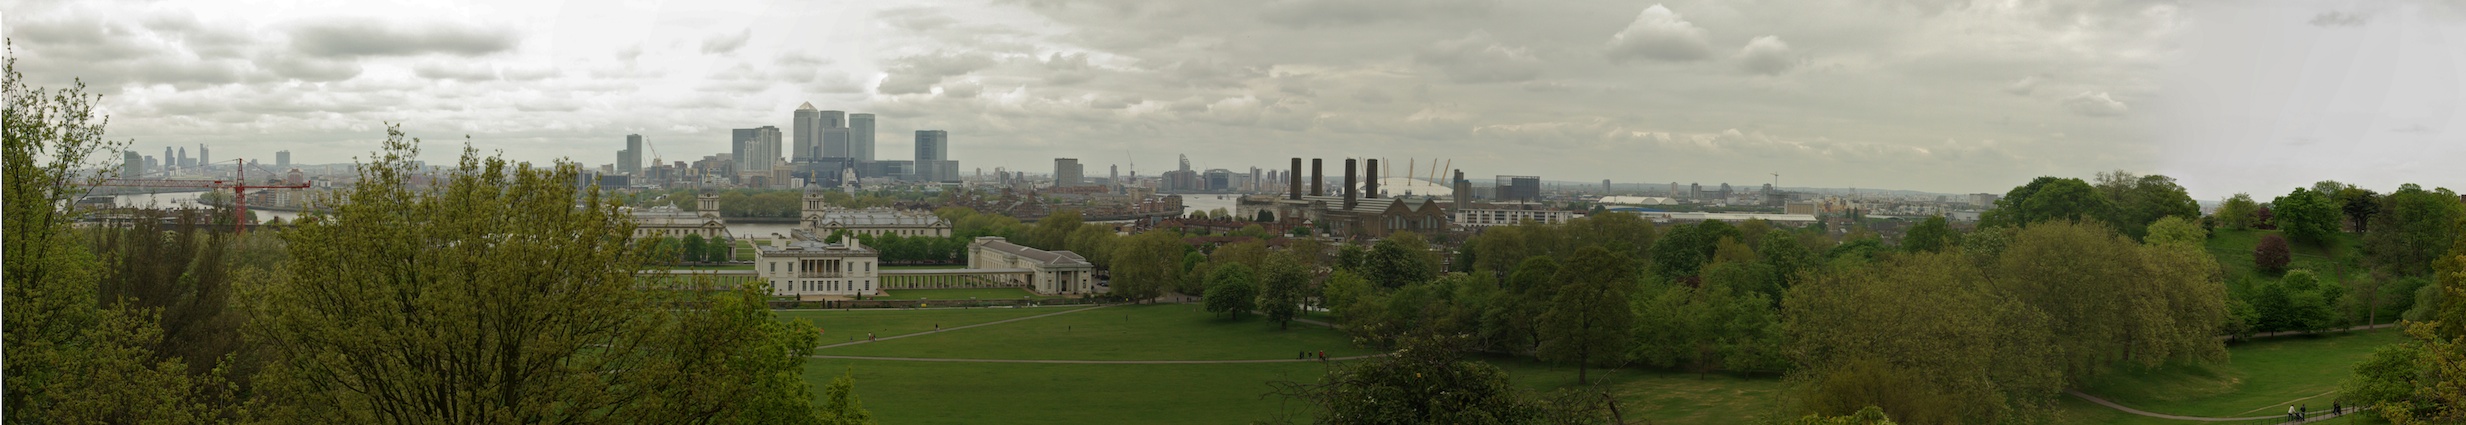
1924	339
507	295
2413	228
2050	199
2141	200
72	356
1588	322
1231	290
2423	380
1144	265
2307	217
1427	383
2110	299
1400	259
2238	212
1280	290
1932	235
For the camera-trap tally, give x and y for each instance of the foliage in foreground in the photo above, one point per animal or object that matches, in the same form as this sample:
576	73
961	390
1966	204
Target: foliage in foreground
1425	382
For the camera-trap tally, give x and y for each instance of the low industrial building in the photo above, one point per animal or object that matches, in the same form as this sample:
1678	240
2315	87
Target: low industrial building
1472	218
1048	272
805	267
1358	211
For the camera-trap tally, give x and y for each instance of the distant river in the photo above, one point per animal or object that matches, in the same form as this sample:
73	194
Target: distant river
189	199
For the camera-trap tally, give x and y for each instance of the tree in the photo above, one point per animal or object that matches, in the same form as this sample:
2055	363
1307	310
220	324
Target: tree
2359	205
2271	255
1933	235
1922	336
694	248
71	358
2174	230
2049	199
449	317
719	250
2238	212
840	406
2412	229
1588	321
1280	291
1145	264
2311	305
2141	200
2110	300
1426	383
1231	290
1401	258
2306	217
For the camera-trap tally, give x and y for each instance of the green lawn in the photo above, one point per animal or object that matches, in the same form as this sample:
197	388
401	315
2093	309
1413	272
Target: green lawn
1006	393
2233	248
1149	332
848	325
2261	379
959	294
1659	396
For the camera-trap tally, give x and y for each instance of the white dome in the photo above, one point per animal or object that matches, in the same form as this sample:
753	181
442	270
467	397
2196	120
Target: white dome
1400	186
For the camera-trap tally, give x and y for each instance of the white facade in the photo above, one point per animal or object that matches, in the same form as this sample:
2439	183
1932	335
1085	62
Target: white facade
806	267
669	221
1501	217
1049	272
823	219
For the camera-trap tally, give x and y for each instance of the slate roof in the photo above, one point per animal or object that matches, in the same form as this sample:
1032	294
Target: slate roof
1059	258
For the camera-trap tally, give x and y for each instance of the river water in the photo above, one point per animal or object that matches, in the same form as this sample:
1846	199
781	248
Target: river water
189	199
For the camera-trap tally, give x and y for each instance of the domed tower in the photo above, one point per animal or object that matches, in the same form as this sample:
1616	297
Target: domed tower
706	205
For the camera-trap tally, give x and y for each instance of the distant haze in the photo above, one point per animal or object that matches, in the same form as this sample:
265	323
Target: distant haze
1946	97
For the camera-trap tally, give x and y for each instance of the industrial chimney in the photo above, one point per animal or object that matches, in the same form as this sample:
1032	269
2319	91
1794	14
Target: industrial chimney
1318	179
1294	179
1370	187
1350	188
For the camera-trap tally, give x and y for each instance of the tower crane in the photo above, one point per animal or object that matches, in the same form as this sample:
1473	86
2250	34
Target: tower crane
238	184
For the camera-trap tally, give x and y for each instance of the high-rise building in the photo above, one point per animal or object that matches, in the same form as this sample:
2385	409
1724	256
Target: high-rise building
282	160
203	160
1116	177
185	161
132	165
832	133
760	151
629	161
933	157
1067	172
807	127
737	141
169	161
860	137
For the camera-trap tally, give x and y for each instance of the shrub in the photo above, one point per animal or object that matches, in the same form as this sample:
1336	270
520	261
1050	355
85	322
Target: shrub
2272	254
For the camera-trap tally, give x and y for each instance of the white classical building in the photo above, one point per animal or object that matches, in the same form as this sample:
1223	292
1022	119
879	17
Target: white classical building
1048	272
801	266
823	219
669	221
1508	217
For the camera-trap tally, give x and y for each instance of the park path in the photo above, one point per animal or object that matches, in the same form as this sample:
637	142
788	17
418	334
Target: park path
2288	333
2313	417
953	328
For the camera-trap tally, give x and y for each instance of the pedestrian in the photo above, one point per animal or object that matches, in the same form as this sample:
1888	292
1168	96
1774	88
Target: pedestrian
2303	411
2337	408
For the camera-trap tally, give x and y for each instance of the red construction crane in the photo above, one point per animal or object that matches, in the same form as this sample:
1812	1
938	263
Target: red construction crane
238	184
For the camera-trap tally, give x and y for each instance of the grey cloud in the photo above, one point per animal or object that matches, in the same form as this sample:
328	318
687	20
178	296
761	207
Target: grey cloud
1337	13
962	90
1477	58
1213	73
943	64
907	84
1545	86
1767	55
725	43
527	74
2095	104
1659	34
2024	86
1371	95
311	69
629	53
1067	69
370	37
918	19
2339	19
457	71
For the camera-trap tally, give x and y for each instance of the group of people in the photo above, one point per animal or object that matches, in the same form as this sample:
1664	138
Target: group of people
1305	355
2298	412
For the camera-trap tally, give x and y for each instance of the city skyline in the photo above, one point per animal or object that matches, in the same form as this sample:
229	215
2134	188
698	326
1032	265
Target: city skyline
1959	98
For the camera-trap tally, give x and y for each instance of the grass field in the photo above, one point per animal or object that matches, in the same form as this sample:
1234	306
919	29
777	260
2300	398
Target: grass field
2261	379
959	294
1004	393
1660	397
2233	248
1148	332
848	325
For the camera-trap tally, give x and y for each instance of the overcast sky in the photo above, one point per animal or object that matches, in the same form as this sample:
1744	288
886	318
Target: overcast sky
1943	96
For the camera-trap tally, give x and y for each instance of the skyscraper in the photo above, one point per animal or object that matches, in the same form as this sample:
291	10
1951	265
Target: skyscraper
1067	172
170	162
737	140
807	126
933	157
202	158
132	165
761	150
185	161
282	160
832	133
629	161
860	136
